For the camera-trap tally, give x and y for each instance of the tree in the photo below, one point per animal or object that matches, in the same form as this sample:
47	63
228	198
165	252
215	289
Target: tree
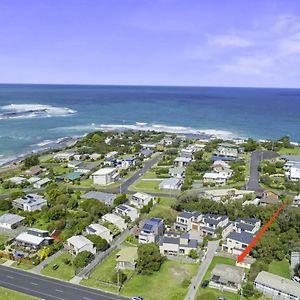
120	199
193	254
100	243
248	290
31	161
250	145
5	205
82	259
119	277
149	259
44	253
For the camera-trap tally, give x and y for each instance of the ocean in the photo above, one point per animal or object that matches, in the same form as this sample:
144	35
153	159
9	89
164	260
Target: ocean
35	116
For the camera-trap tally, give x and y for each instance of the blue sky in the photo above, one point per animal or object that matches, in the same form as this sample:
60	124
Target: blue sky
155	42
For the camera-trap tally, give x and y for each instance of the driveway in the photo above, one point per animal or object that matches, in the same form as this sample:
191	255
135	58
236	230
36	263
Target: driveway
256	158
196	281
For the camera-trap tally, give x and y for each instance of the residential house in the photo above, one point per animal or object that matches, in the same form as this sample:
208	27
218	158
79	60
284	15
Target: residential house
74	164
33	179
79	243
176	243
105	198
277	287
296	201
70	177
140	199
177	172
227	278
182	161
126	258
269	198
209	224
215	178
150	230
149	146
112	162
128	211
220	164
33	171
111	154
33	239
64	156
16	180
99	230
128	162
105	176
187	152
185	220
170	184
295	260
226	151
11	221
250	225
221	194
86	168
294	173
146	153
115	220
30	202
95	156
237	242
41	183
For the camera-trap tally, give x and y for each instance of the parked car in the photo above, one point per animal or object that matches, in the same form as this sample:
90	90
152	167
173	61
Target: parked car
296	279
205	283
137	298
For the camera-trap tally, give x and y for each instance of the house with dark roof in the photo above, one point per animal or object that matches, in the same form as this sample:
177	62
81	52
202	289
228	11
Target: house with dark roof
150	230
185	220
106	198
128	211
237	242
176	243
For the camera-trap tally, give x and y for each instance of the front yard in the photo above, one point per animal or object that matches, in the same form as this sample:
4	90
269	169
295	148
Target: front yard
64	271
6	294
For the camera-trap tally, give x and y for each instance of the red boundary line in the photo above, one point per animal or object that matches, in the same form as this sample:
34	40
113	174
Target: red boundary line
242	256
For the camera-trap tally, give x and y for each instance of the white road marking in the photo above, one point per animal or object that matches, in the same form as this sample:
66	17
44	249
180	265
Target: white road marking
60	291
33	283
86	298
10	277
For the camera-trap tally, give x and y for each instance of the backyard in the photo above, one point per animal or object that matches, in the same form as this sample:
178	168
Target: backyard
6	294
281	268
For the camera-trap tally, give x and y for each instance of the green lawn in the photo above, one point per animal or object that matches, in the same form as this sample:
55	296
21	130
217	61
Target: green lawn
104	272
281	268
22	266
3	239
295	150
64	271
166	284
229	296
9	191
6	294
61	170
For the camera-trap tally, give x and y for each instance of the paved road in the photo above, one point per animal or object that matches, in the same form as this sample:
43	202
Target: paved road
196	281
48	288
256	157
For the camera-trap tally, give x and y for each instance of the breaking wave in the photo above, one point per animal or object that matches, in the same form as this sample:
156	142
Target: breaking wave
28	111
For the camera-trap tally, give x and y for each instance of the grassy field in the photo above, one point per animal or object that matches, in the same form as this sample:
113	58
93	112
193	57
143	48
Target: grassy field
103	272
9	191
295	150
281	268
3	239
167	283
22	266
64	271
214	294
6	294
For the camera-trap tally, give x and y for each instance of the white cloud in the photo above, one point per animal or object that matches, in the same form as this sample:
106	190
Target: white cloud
230	41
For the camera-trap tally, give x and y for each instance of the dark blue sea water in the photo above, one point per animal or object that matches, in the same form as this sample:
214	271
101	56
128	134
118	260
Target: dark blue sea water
47	112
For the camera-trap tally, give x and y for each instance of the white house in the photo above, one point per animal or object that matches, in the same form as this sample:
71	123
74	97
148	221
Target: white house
105	176
79	243
10	221
126	210
218	195
99	230
140	199
43	182
17	179
177	172
30	202
95	156
182	161
128	162
237	242
150	230
111	154
74	163
215	178
277	287
170	184
115	220
64	156
185	220
294	172
296	201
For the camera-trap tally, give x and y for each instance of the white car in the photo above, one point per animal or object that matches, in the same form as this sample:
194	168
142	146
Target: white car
296	279
137	298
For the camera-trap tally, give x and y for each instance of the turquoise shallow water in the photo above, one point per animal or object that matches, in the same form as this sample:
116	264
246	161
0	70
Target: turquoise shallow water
43	113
